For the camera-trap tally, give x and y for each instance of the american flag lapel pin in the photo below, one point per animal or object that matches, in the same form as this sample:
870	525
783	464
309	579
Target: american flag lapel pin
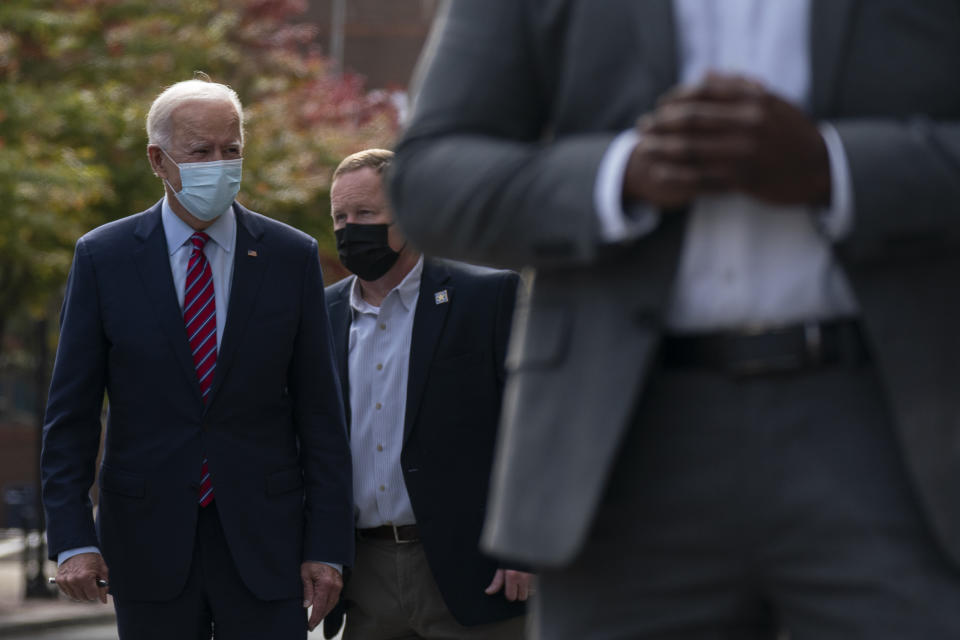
441	297
252	253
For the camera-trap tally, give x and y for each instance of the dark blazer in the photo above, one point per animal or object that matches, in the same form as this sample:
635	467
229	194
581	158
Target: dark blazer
273	430
520	99
454	390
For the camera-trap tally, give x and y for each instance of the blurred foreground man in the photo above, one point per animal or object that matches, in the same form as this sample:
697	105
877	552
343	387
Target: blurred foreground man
420	345
225	489
732	405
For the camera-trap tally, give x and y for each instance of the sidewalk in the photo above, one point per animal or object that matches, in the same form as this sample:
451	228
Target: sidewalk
20	616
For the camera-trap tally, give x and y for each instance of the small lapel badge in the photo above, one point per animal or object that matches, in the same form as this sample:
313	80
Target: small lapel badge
252	253
441	297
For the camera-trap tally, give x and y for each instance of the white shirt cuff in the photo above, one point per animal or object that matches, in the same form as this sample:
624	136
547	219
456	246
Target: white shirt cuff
338	567
837	219
63	556
616	225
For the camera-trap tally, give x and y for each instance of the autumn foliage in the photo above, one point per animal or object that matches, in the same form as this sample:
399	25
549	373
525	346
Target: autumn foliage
76	79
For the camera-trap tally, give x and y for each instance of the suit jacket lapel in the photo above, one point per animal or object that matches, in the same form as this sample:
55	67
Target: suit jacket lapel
829	26
341	315
428	322
250	262
152	258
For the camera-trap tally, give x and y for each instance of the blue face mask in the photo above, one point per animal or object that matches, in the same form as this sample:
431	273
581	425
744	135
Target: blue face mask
208	188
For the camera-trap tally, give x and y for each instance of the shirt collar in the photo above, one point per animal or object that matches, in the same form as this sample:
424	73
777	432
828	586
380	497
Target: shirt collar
407	290
223	231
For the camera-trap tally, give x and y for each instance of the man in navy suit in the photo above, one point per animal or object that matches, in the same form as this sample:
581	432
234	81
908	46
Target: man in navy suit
420	347
225	495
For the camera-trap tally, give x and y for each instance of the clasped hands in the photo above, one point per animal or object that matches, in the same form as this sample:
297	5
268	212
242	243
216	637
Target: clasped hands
727	134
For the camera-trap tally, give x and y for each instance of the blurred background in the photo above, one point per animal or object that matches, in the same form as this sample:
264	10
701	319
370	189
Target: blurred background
319	79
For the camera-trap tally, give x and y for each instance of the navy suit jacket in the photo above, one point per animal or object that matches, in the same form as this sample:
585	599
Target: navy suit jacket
273	430
454	391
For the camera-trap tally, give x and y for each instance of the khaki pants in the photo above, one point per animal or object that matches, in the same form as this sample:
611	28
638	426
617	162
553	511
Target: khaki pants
393	595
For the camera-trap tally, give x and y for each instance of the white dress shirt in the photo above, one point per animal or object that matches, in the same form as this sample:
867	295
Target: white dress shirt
379	363
745	263
219	251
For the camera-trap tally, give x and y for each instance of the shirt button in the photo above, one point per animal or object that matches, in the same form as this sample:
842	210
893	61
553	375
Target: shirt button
383	327
379	447
382	488
379	367
379	406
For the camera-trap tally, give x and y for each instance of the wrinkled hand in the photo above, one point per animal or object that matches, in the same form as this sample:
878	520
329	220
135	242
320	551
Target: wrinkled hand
728	133
516	585
77	577
321	590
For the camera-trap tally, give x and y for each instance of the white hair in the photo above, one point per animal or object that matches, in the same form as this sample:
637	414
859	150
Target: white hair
159	126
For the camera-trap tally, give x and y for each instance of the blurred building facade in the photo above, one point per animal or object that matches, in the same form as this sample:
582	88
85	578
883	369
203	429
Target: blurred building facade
18	436
379	39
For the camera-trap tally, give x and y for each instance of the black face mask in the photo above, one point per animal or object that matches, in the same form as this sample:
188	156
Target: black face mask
363	249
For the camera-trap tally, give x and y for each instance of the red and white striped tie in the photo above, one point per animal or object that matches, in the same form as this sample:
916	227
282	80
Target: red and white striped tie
200	316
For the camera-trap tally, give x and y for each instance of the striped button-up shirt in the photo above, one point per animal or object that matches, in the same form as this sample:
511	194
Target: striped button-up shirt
379	362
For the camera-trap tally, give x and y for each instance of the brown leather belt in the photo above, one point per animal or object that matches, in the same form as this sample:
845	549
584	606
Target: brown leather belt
804	346
402	534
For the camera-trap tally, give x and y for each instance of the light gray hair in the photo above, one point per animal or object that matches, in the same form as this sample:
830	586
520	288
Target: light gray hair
159	125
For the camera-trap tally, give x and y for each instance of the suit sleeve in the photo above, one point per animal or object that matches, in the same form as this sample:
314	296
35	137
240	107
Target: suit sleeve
319	416
510	195
506	301
906	184
71	431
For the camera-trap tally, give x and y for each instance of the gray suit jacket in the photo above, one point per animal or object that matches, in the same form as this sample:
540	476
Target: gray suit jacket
519	101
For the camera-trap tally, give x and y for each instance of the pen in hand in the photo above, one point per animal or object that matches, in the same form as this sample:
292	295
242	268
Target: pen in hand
100	582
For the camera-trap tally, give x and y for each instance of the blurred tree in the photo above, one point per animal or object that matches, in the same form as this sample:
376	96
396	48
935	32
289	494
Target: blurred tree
76	80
